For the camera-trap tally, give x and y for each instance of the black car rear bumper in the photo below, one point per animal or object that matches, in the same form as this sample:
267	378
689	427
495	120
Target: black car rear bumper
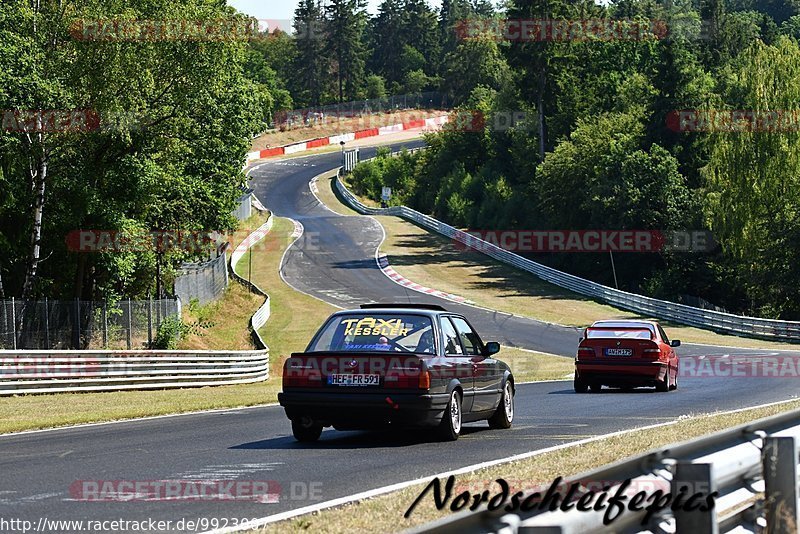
365	410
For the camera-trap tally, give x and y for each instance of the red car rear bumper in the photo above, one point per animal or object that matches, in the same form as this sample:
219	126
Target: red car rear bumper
621	373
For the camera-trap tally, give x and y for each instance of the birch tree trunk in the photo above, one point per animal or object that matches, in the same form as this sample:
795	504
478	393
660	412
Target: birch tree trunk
38	170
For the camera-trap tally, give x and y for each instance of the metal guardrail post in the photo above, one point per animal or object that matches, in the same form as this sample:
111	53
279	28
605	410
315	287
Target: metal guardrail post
105	324
46	325
76	326
698	478
14	323
779	457
130	324
150	322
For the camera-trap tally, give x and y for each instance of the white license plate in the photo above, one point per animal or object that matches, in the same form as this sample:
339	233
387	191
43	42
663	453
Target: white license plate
354	380
619	352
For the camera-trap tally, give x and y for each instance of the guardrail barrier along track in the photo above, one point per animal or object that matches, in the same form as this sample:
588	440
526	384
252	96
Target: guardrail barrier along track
669	311
74	371
754	469
261	317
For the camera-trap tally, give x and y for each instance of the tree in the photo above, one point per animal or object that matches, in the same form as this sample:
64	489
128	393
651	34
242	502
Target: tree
387	40
532	59
310	74
753	184
345	23
376	86
475	62
174	122
621	186
420	30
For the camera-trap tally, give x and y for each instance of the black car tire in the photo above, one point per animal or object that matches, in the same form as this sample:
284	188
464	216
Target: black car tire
306	430
675	384
504	415
596	388
450	427
580	386
663	386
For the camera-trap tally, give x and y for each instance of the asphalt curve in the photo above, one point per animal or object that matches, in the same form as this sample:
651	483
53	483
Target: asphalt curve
336	263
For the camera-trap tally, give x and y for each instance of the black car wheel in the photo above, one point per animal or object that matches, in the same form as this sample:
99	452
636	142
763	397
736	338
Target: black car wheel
306	429
504	415
664	386
580	386
450	427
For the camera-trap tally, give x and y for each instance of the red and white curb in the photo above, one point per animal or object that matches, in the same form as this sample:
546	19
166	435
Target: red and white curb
428	125
298	231
399	279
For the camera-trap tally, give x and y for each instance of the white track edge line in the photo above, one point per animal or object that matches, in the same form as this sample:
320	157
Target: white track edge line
137	419
402	485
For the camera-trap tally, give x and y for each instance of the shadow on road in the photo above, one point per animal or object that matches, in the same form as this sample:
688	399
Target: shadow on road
606	391
333	439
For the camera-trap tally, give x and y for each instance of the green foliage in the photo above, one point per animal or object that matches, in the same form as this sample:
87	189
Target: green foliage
752	176
176	119
376	86
475	62
173	329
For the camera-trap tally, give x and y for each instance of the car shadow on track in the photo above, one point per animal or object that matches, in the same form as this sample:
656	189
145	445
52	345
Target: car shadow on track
333	439
641	391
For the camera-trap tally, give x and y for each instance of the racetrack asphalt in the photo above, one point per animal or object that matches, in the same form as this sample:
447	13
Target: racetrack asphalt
335	261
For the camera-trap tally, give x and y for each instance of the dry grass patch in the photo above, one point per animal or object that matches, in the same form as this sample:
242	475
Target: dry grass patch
385	513
530	366
230	317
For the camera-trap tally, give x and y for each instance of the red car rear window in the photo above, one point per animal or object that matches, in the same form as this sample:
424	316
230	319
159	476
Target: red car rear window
618	333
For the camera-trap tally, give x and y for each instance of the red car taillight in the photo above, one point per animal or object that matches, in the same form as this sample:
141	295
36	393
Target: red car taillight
585	352
412	377
656	353
299	375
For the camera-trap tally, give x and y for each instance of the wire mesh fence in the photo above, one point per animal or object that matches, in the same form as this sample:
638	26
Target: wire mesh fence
82	325
314	115
204	282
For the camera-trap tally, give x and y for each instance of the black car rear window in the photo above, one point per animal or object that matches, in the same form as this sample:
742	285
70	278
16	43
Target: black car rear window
376	333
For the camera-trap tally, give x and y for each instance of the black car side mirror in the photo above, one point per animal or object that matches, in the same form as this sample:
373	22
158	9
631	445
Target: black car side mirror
675	343
492	347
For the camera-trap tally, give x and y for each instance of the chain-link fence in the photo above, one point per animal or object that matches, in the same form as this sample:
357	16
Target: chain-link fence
204	282
82	325
315	115
244	206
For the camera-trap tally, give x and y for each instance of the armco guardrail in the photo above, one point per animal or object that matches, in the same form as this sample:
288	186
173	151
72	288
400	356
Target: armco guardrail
754	468
82	371
261	317
669	311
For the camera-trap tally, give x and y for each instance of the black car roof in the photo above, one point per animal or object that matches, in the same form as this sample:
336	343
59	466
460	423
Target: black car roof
432	307
431	310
